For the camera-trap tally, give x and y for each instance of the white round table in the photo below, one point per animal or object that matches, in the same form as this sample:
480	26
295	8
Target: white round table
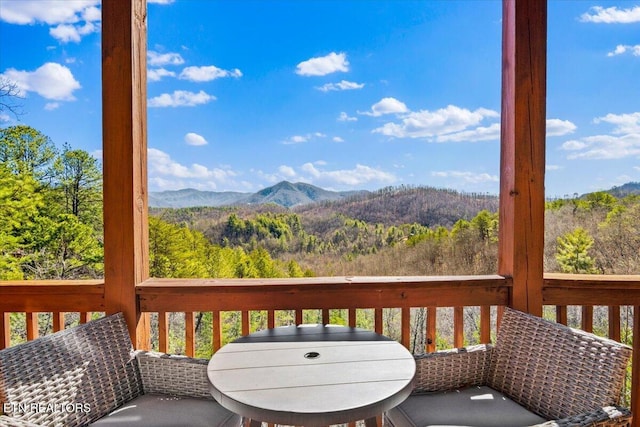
311	375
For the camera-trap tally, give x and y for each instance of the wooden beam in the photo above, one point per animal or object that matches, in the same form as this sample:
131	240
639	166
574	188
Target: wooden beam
124	128
52	296
298	294
522	153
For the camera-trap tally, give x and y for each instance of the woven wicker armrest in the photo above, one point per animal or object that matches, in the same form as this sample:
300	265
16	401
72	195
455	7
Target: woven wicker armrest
6	421
451	369
609	416
173	375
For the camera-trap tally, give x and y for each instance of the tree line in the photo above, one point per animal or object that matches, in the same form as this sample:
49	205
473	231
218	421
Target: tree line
51	228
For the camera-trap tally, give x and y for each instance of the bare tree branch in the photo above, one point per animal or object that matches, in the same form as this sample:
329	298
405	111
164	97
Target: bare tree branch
10	96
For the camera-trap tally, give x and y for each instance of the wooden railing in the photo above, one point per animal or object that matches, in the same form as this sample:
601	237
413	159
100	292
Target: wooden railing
377	294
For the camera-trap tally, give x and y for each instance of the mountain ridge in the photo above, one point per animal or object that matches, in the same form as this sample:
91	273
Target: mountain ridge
284	193
289	195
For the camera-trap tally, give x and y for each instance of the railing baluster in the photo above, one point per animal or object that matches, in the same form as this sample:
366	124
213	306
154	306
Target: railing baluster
271	319
352	317
458	327
377	320
245	323
189	329
587	318
635	361
163	331
431	329
326	317
561	314
499	317
32	326
298	317
58	321
5	330
216	331
614	323
485	324
405	327
85	316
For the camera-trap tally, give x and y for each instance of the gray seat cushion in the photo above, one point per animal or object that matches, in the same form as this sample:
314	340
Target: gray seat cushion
474	406
157	410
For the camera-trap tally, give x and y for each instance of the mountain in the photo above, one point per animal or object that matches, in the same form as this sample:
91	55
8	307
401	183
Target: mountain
625	190
189	197
284	193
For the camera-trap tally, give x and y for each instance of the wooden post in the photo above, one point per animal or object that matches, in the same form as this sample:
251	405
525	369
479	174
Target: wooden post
522	153
124	130
5	330
635	366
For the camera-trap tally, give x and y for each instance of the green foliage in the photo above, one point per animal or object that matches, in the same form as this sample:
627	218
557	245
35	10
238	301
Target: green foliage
573	252
26	151
78	180
19	205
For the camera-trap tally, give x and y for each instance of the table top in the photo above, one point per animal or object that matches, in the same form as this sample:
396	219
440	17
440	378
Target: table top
311	375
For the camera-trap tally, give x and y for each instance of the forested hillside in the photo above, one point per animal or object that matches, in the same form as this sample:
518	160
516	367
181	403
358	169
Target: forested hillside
51	228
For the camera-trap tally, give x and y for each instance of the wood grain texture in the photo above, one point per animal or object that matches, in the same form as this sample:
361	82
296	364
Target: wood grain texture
124	119
297	294
522	150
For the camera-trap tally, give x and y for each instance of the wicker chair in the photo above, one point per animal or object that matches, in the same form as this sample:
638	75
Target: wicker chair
538	373
89	375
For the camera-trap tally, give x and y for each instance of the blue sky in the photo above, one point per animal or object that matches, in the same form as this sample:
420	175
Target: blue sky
344	94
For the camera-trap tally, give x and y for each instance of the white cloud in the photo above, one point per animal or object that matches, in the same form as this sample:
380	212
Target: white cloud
624	123
194	139
299	139
181	98
321	66
604	147
622	49
65	33
287	171
157	59
573	145
467	177
624	140
358	176
160	1
69	20
296	139
337	139
28	12
386	106
155	75
342	85
4	118
557	127
446	124
207	73
553	167
51	81
50	106
167	174
344	117
611	15
481	133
